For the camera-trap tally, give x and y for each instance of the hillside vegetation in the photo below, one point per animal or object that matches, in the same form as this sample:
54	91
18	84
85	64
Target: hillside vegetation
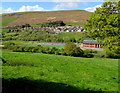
70	17
44	36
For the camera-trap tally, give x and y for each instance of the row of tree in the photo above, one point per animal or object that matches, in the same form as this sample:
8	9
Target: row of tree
53	24
70	49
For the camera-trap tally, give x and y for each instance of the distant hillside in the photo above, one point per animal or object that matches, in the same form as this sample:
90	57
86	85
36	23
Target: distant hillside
70	17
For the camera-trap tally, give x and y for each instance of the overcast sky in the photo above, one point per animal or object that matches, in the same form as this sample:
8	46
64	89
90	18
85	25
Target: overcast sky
53	5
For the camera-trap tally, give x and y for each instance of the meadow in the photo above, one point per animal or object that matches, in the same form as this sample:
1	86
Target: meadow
78	36
7	20
50	46
49	73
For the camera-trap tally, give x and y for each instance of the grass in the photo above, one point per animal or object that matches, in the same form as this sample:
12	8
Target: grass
7	20
75	23
76	35
17	42
100	54
59	47
51	46
82	73
5	30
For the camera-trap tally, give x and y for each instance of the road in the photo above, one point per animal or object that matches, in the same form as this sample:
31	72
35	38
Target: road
62	44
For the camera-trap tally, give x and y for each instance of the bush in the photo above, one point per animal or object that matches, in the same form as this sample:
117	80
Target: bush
35	49
53	50
54	24
9	45
78	52
25	25
18	49
111	54
88	53
71	49
57	52
94	51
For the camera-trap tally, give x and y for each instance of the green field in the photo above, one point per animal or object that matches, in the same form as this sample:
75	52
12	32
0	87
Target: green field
58	74
51	46
75	35
5	30
7	20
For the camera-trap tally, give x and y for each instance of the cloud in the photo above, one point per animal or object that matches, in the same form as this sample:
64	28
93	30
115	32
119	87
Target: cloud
30	8
92	9
58	1
62	6
22	9
0	10
8	10
53	0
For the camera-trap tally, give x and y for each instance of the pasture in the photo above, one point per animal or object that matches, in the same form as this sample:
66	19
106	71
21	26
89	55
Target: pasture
49	73
7	20
73	35
50	46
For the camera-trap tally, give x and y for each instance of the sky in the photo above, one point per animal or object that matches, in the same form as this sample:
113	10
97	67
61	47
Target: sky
48	5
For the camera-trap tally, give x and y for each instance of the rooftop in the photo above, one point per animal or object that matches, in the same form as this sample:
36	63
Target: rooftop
90	42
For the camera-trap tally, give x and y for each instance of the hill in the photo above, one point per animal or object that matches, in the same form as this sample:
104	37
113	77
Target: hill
70	17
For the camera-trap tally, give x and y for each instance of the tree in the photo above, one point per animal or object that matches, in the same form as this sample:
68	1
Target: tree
71	49
104	26
25	25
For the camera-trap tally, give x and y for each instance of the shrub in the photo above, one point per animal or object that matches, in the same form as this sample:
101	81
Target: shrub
111	54
71	49
94	51
9	45
53	50
55	23
88	53
57	52
25	25
78	52
35	49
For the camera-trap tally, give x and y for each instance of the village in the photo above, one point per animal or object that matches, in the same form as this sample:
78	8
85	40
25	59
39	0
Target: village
56	29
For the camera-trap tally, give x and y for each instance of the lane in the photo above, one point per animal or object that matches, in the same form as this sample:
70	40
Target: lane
62	44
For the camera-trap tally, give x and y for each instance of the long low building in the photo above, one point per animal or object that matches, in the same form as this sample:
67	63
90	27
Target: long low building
92	43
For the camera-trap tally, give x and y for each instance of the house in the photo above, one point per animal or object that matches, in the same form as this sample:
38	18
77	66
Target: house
91	43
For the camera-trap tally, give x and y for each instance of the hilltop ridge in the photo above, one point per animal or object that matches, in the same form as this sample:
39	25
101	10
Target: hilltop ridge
70	17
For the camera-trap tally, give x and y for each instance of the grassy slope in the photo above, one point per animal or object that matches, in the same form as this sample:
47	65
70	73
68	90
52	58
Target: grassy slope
7	20
79	72
59	47
75	35
77	17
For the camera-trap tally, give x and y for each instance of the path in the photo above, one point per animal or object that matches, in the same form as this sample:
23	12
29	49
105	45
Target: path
62	44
